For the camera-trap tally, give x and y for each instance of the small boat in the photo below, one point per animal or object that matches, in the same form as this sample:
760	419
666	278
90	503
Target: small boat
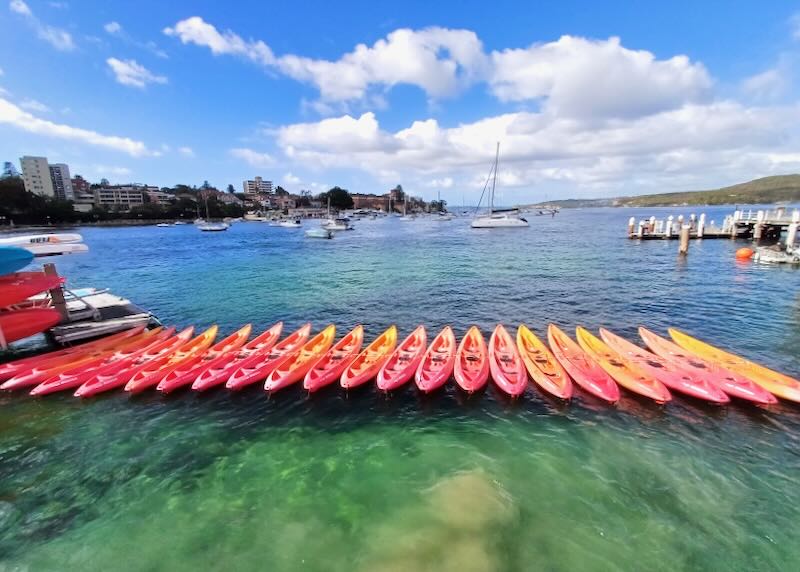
189	370
404	361
319	233
198	221
10	369
213	226
260	365
542	365
57	248
498	218
505	363
46	369
18	287
25	240
330	366
586	372
219	372
164	225
295	365
471	369
13	258
179	222
20	324
118	373
370	361
337	224
622	371
778	384
74	375
437	365
154	372
443	217
672	376
292	223
775	255
733	384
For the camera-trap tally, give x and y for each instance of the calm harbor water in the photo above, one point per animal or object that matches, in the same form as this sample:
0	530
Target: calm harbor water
446	482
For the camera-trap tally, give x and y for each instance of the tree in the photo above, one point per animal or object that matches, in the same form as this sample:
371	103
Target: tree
281	191
230	189
340	198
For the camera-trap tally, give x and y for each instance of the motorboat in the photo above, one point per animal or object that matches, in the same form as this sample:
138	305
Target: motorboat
319	233
291	223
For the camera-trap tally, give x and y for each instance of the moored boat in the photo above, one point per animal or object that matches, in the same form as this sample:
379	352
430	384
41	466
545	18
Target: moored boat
260	365
505	363
369	362
583	370
295	365
330	366
438	362
404	361
542	365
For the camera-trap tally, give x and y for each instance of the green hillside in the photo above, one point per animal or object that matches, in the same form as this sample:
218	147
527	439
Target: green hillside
776	189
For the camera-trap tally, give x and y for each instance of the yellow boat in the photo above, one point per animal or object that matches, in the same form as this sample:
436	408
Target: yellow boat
775	382
370	361
542	365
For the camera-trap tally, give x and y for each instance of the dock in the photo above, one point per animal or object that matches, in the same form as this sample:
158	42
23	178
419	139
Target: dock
758	225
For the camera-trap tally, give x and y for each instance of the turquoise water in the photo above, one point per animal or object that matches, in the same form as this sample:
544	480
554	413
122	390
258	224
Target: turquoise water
444	482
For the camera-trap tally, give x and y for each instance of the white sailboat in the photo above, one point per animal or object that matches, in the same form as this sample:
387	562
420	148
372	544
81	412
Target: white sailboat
335	224
211	226
504	218
406	217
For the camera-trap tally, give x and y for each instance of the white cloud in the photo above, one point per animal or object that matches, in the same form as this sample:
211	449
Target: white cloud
580	77
131	73
253	158
58	38
111	170
35	106
112	28
291	179
195	30
186	151
767	85
679	147
13	115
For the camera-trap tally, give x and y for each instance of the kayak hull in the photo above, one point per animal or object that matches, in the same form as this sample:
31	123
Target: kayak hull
295	366
20	286
259	366
584	371
404	361
542	366
437	365
370	361
471	369
20	324
505	363
330	366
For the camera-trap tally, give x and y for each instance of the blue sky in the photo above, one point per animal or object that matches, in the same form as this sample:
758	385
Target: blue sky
586	99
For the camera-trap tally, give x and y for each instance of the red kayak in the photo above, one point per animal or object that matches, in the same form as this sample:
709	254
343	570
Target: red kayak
505	363
257	367
188	371
586	372
118	373
437	365
20	324
672	376
404	361
18	287
330	366
219	372
153	372
471	369
76	376
10	369
733	384
295	365
370	361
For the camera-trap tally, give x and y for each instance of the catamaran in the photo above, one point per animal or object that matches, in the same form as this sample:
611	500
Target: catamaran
498	218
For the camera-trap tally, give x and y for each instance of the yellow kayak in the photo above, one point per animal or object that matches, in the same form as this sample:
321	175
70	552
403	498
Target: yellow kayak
776	383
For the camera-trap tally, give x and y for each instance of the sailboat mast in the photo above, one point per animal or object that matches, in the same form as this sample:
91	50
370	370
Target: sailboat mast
494	180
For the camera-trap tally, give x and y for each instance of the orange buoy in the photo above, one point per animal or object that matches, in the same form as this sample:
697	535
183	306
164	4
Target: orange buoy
744	253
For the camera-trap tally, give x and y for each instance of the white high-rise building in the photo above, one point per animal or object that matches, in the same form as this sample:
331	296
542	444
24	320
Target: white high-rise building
62	184
36	176
258	185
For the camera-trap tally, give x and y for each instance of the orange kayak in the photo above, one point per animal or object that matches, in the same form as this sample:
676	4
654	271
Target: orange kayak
66	357
295	365
437	366
330	366
731	383
219	372
153	372
471	369
118	373
370	361
260	365
586	372
625	373
505	363
76	376
776	383
672	376
188	371
404	361
542	365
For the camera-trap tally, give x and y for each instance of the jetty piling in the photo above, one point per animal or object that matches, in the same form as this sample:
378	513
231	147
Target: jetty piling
683	246
57	294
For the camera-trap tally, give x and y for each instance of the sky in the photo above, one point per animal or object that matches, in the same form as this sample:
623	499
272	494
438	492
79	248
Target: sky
587	99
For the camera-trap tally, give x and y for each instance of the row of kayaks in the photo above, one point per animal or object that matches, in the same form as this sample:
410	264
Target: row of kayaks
166	360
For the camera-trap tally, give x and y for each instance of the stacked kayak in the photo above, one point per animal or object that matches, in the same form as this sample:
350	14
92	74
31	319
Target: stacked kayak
556	365
47	244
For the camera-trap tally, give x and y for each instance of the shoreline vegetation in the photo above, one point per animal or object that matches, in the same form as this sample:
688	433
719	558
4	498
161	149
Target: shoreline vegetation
766	190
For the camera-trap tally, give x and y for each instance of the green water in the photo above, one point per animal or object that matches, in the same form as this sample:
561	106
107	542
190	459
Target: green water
447	482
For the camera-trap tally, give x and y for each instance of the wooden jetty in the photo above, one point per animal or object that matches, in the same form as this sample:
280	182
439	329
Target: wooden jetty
766	225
